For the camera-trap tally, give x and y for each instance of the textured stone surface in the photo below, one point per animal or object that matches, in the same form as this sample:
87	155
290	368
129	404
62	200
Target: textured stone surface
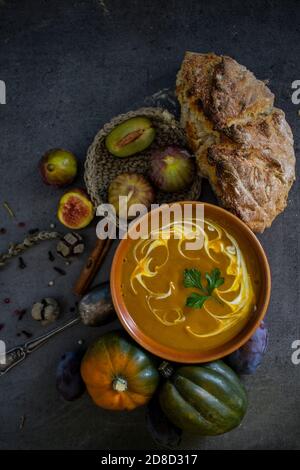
69	66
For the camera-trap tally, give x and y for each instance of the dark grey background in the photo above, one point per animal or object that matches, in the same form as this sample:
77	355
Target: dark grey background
69	66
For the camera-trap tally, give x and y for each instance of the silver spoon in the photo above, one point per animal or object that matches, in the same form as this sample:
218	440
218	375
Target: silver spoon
95	309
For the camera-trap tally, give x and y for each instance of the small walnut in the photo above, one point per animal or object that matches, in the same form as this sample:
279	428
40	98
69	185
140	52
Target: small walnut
46	311
70	245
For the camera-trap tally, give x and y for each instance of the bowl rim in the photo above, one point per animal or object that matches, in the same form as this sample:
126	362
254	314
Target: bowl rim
181	356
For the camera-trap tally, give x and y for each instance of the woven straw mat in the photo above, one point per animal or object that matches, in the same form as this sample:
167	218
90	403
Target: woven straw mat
101	167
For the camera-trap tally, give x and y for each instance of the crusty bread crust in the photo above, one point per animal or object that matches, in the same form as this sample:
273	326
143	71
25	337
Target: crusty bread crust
243	145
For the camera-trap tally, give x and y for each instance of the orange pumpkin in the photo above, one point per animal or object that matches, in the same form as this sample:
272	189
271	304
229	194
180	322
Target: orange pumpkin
118	375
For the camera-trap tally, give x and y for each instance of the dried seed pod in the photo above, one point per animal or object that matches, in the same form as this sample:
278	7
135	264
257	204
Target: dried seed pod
46	311
70	245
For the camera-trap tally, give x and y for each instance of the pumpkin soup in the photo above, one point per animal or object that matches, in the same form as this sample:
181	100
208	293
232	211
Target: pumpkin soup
194	299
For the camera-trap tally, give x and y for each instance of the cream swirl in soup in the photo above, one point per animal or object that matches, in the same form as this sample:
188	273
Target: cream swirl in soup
156	294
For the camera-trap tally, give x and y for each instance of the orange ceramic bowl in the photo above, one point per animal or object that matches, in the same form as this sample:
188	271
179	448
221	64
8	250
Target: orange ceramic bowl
238	227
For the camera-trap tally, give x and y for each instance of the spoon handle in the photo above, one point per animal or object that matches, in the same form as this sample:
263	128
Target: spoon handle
16	355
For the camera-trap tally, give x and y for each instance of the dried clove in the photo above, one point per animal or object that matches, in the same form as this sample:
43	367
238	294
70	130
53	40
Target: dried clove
33	231
50	256
59	271
20	313
26	333
22	264
22	422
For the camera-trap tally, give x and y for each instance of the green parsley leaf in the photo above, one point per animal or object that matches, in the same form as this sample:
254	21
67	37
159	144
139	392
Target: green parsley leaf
214	280
196	300
192	278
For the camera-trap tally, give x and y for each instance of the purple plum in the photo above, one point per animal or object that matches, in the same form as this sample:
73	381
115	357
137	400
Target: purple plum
163	432
249	357
68	379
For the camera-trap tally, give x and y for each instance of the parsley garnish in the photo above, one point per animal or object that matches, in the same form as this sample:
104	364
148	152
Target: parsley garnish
192	278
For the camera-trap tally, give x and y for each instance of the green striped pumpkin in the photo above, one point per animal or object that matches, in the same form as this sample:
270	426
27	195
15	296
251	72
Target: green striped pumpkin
208	399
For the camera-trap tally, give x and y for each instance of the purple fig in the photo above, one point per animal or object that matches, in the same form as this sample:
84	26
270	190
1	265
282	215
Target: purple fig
249	357
172	169
58	167
133	186
163	432
68	378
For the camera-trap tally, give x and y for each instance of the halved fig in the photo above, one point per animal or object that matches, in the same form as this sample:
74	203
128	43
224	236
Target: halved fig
75	209
130	137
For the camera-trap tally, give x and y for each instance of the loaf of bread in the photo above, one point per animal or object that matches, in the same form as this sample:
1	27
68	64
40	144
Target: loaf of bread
243	145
